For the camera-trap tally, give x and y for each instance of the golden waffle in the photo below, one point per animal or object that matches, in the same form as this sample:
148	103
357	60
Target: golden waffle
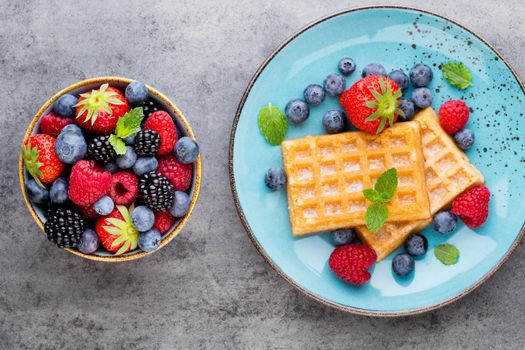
448	173
327	174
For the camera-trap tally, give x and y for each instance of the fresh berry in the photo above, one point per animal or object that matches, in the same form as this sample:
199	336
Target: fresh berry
334	121
100	149
180	175
346	66
343	236
104	206
147	143
130	140
464	139
64	227
403	264
116	232
314	94
58	192
162	123
111	167
186	150
150	107
40	159
453	116
142	218
421	75
36	194
52	125
156	191
444	221
65	106
98	111
372	103
163	221
297	111
124	188
422	97
74	128
127	160
70	147
181	204
373	69
136	93
144	165
406	106
473	206
89	241
149	240
334	84
88	212
88	183
350	262
416	245
400	78
275	178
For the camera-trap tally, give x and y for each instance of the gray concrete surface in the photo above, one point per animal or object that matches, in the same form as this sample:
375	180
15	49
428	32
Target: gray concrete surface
209	289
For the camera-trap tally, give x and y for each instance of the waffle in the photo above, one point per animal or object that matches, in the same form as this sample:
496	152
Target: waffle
327	174
447	172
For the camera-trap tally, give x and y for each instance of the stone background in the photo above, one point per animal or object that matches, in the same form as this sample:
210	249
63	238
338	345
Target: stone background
210	288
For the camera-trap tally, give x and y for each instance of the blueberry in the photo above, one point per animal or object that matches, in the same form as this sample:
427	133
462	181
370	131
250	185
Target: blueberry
58	192
181	204
334	121
445	221
416	245
314	94
400	78
421	75
104	206
275	178
36	194
346	66
186	150
136	93
149	240
70	147
142	218
334	84
144	165
406	106
464	138
73	128
111	167
403	264
89	241
65	106
373	69
126	160
343	236
297	111
130	140
422	97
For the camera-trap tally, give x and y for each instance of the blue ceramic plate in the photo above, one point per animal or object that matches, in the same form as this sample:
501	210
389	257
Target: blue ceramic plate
397	38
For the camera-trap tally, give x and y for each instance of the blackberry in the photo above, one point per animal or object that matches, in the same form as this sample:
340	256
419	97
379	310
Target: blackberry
149	107
156	191
147	143
100	149
64	227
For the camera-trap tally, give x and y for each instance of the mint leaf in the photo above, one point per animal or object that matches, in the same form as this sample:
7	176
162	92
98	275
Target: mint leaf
457	74
272	124
447	253
376	216
372	195
386	184
118	145
129	123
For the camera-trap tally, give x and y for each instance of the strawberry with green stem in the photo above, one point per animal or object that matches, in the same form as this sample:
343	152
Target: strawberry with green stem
40	159
116	231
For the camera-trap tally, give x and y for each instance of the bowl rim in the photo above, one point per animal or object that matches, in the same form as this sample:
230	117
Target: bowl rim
246	225
167	237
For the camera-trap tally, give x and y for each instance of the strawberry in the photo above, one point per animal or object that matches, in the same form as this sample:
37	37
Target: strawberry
98	111
124	188
453	116
473	206
163	221
179	174
52	125
350	263
116	231
88	183
371	102
40	159
162	123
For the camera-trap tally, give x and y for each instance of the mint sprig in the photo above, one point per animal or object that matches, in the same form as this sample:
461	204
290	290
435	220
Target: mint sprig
447	253
457	74
272	124
382	193
127	125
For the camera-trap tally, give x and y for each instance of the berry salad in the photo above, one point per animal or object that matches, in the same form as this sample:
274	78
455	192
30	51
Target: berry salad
110	169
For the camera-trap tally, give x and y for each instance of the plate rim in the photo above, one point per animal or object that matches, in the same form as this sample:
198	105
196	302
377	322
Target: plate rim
248	230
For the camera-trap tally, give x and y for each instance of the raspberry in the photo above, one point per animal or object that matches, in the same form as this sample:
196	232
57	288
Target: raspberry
88	183
473	206
124	188
163	221
453	116
179	174
52	125
162	123
88	212
350	263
